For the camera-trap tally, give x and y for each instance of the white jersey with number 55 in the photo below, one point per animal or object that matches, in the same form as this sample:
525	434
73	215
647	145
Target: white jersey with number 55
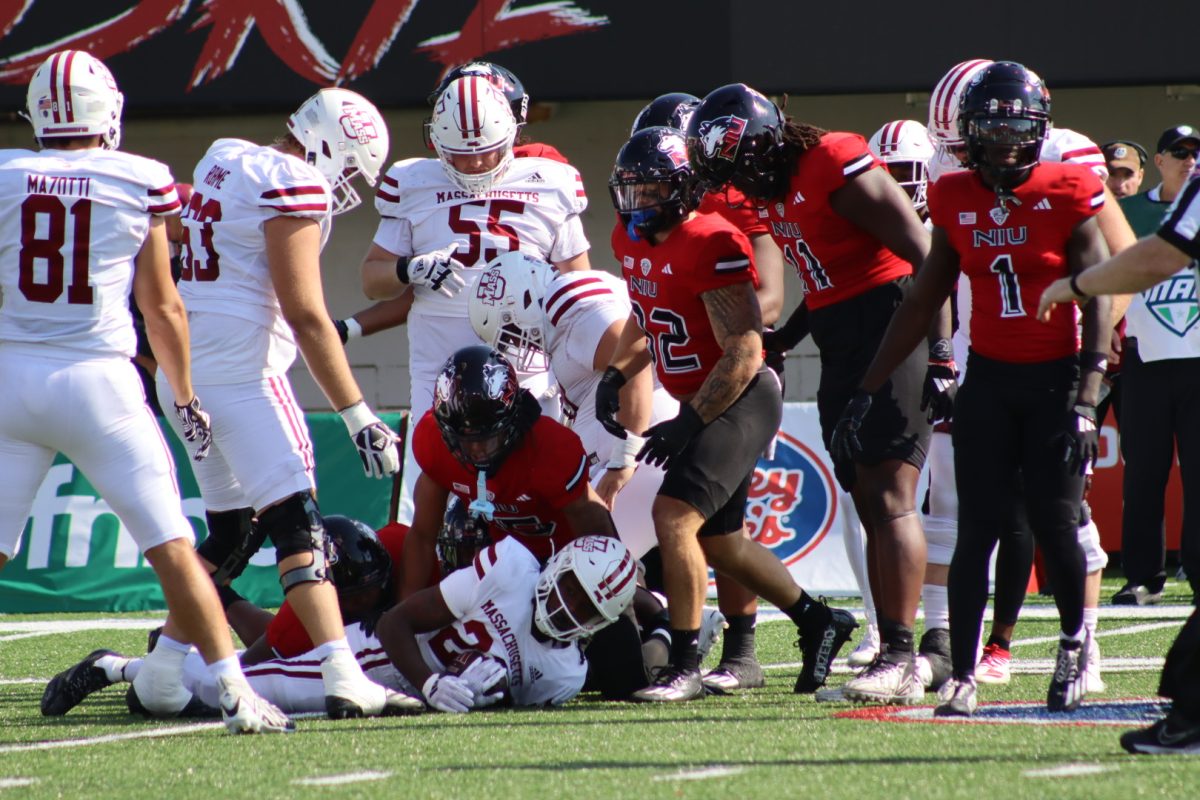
71	224
239	333
534	208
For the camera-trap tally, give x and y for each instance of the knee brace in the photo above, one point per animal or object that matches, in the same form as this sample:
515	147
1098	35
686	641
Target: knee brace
1089	542
295	526
232	539
940	535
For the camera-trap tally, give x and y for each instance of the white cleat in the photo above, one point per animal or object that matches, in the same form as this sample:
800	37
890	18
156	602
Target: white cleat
867	649
886	682
245	712
712	623
349	694
1092	682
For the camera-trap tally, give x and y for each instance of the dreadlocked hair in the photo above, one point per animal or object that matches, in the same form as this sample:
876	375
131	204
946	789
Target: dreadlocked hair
528	411
800	136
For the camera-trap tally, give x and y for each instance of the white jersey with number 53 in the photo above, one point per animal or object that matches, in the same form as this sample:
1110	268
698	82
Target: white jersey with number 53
237	329
534	208
71	224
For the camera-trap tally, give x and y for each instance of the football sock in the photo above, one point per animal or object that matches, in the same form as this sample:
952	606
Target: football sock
324	651
229	668
118	668
937	606
684	653
167	643
738	641
1090	617
1003	643
897	637
797	609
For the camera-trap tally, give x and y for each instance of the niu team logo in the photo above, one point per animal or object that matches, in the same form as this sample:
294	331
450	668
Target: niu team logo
792	501
490	287
495	378
357	124
720	137
1173	303
674	148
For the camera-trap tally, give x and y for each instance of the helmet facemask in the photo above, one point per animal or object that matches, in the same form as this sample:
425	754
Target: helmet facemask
647	207
563	610
506	309
476	404
1006	147
343	136
473	121
584	587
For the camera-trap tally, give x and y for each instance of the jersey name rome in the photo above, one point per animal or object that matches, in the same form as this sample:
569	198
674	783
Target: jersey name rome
237	187
71	224
534	208
1011	253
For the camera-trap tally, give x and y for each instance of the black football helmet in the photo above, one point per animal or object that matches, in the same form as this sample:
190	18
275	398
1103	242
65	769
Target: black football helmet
360	562
735	136
1004	117
652	186
672	110
499	77
476	405
461	536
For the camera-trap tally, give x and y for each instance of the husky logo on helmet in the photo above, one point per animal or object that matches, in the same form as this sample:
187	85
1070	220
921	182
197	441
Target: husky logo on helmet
495	377
490	287
444	388
675	149
357	124
720	137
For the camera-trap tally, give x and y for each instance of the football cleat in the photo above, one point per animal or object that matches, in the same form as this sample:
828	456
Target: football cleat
823	632
243	711
1137	595
957	698
1067	685
195	708
1173	733
867	650
671	686
830	694
68	688
888	682
349	694
1093	683
712	623
995	666
730	676
933	659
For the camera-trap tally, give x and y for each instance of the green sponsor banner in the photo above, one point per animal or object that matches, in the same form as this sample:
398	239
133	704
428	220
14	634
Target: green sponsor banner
76	556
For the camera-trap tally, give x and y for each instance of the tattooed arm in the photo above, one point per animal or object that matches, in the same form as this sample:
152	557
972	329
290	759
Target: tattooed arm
737	327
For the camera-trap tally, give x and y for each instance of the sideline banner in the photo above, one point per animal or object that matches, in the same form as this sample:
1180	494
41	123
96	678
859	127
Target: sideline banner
75	555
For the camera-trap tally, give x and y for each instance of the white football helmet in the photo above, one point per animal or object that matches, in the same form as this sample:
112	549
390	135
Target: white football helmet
944	102
73	94
584	587
506	309
343	135
904	146
473	118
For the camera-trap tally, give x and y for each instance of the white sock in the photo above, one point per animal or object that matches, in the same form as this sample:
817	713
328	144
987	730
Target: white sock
1063	636
168	643
937	606
228	668
116	668
324	651
1090	618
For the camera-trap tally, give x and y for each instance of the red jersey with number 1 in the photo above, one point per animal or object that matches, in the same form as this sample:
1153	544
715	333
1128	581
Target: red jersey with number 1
1011	253
735	207
835	259
666	282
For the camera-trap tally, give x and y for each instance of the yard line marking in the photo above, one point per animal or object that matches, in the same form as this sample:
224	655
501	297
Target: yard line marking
12	783
1146	626
76	625
338	780
1180	612
1031	666
19	681
704	773
1067	771
112	737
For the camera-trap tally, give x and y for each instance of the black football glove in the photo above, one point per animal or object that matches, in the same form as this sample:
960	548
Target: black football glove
1081	440
941	386
343	331
667	439
844	445
197	427
608	401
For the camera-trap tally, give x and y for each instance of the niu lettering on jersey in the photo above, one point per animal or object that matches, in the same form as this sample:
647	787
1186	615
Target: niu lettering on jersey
834	258
545	472
735	207
1011	253
666	282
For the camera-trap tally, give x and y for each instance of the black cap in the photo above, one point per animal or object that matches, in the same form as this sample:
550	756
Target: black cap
1173	136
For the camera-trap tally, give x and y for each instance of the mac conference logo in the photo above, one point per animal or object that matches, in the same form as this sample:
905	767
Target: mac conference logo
792	501
1173	302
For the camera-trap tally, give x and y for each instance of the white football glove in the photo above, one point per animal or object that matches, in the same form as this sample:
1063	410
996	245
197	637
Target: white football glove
197	426
375	441
448	693
482	675
438	271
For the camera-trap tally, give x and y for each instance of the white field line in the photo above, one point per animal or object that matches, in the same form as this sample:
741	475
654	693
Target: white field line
1149	626
1067	771
338	780
12	783
154	733
12	631
1028	666
704	773
766	614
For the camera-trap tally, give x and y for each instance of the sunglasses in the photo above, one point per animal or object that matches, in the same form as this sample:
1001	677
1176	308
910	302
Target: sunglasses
1182	153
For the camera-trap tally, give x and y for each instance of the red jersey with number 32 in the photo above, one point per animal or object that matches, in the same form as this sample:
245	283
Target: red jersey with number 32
666	282
835	259
1011	255
546	471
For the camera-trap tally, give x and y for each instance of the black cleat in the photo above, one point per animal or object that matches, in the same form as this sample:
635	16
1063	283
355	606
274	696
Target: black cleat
1067	685
195	708
1173	733
672	686
823	632
1137	595
68	688
730	676
933	659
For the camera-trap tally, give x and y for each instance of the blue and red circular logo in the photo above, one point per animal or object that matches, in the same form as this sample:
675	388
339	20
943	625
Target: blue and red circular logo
792	502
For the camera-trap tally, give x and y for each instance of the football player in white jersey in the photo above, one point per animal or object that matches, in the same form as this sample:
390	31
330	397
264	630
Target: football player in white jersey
445	218
81	225
254	228
1069	147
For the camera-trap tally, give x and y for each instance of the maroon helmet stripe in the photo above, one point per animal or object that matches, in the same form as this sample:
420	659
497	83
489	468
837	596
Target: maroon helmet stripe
950	88
54	86
69	110
462	110
475	106
622	576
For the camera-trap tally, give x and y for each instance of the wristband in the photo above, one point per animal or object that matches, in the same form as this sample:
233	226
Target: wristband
357	417
1091	361
402	269
624	452
1073	283
353	329
941	351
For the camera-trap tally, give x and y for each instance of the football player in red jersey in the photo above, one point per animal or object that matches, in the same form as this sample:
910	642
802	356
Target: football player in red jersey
851	233
739	667
1012	225
691	282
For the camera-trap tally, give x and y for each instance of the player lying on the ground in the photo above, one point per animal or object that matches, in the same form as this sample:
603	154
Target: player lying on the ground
527	622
